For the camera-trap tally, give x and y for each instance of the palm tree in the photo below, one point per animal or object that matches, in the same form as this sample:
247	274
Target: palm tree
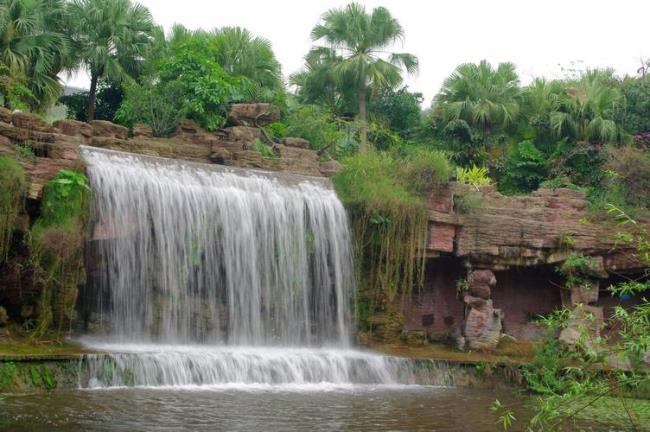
583	112
318	84
481	96
361	40
110	37
240	53
33	47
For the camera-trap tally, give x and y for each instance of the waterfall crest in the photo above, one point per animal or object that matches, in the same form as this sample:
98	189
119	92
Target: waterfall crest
195	253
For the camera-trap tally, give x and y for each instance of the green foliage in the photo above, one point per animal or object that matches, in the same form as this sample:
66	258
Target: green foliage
388	214
159	106
265	149
110	39
7	374
475	176
33	50
12	189
576	267
109	99
525	169
630	176
205	88
57	249
575	381
13	90
316	125
357	44
398	109
276	130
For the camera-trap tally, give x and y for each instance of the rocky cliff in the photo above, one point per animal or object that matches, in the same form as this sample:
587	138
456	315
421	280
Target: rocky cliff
56	146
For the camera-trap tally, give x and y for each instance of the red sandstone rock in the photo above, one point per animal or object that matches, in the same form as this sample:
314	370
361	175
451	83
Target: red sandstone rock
103	128
480	290
30	122
253	114
74	128
329	168
5	115
142	130
295	142
441	237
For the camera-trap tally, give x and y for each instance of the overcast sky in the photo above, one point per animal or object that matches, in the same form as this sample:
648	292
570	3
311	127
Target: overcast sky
539	36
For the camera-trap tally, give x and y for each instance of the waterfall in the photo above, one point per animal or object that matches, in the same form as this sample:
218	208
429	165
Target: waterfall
210	275
202	253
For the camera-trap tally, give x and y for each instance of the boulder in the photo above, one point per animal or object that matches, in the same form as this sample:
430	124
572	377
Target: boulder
74	128
329	168
583	327
141	130
480	290
295	142
188	126
30	122
474	302
103	128
5	115
253	114
482	277
482	329
220	155
585	293
243	134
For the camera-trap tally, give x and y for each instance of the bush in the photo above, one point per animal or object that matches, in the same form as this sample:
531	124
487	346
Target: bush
525	169
159	106
12	188
57	249
388	214
631	175
475	176
319	127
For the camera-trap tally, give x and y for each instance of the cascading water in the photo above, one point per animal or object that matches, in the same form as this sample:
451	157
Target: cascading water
214	276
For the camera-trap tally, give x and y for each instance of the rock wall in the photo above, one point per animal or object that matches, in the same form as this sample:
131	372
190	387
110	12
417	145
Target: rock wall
56	146
508	248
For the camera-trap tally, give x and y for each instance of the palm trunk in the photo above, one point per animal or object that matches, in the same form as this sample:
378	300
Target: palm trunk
363	117
92	95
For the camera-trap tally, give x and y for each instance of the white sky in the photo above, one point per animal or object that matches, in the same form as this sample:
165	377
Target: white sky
539	36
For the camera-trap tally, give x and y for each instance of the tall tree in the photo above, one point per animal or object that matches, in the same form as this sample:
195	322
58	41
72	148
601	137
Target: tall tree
241	53
33	47
481	96
110	37
361	41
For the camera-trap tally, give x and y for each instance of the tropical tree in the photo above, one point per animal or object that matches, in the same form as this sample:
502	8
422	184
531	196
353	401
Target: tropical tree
319	84
33	49
358	41
240	53
584	113
110	37
482	97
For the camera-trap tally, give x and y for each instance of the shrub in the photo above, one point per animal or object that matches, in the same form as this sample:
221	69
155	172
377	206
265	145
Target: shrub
159	106
475	176
631	175
525	169
12	188
423	167
388	214
319	127
264	149
57	249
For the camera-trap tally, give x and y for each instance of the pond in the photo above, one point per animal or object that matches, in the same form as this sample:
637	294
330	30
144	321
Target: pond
256	408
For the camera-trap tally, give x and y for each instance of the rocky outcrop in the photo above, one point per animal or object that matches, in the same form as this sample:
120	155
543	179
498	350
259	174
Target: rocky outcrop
482	326
253	114
57	146
497	232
